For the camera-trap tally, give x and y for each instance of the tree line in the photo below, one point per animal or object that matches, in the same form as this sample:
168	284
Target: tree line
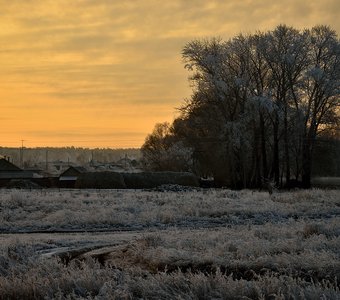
81	156
258	106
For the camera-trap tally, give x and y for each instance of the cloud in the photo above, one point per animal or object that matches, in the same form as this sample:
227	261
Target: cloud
120	59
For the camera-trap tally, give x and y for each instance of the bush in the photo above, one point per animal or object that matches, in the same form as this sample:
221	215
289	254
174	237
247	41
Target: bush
22	184
144	180
154	179
100	180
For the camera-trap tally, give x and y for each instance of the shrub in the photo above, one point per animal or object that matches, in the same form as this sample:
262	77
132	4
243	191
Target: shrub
100	180
154	179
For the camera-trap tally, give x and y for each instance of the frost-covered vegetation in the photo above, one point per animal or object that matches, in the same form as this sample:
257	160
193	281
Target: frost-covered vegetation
203	244
263	105
94	209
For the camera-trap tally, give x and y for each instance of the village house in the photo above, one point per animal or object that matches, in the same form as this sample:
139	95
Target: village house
9	171
68	178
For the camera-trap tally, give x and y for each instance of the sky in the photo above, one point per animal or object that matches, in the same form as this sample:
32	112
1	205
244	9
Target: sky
102	73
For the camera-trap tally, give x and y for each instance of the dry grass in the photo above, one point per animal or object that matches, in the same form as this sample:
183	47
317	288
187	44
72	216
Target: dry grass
219	244
90	209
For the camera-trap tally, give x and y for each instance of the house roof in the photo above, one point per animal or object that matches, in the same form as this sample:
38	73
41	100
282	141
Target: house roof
16	175
6	166
73	171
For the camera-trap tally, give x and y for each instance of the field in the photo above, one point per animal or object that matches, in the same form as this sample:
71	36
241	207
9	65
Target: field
187	244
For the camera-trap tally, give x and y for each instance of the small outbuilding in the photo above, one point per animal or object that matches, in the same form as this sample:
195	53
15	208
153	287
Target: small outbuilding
68	178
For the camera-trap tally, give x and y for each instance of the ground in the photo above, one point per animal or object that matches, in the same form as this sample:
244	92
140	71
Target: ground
159	244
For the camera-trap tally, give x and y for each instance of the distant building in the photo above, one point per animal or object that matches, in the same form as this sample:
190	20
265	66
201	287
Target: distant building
68	178
11	171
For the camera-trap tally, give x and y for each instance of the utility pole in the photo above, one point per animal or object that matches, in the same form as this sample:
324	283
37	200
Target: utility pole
22	154
46	160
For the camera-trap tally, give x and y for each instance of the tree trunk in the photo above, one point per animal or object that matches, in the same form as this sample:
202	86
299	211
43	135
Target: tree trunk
276	160
263	148
231	159
286	147
306	164
307	150
255	169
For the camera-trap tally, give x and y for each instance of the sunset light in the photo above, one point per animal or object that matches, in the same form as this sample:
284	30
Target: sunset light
102	73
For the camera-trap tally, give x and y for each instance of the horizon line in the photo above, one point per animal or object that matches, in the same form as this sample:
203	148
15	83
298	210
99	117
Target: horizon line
76	147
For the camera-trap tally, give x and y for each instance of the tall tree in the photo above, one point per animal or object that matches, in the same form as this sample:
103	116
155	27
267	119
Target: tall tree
259	102
321	90
163	151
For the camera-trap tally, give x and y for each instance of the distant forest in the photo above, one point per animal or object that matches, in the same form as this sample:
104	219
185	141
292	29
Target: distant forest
35	156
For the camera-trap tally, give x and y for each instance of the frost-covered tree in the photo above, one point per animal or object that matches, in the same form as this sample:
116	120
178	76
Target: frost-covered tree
163	151
222	84
320	92
259	102
200	126
286	54
273	91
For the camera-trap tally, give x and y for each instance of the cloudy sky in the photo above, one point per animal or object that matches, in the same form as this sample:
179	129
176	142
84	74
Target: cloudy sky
101	73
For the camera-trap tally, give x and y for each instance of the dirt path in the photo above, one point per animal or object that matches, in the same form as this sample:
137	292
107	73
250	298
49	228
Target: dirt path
69	245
